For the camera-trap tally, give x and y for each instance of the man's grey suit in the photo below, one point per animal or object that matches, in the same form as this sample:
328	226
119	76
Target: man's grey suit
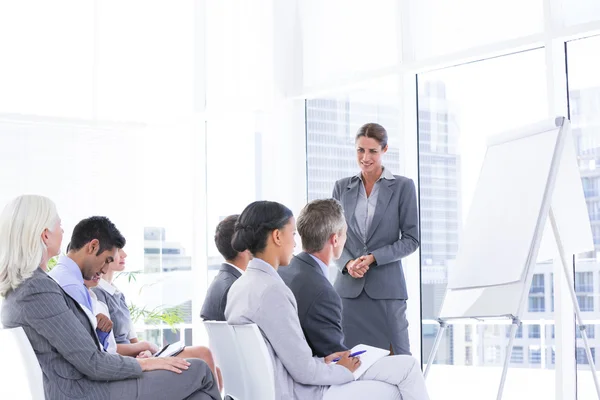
73	364
215	301
375	305
319	306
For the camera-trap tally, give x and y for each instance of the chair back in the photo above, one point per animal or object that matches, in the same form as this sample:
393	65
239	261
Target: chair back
260	378
20	373
223	344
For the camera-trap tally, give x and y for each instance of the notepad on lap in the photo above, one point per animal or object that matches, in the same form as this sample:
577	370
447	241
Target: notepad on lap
171	350
367	359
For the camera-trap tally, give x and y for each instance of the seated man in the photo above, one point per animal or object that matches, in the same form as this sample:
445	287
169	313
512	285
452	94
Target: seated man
74	364
322	227
83	254
235	264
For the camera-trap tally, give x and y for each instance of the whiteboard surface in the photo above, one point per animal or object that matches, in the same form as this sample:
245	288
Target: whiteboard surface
501	224
507	296
489	302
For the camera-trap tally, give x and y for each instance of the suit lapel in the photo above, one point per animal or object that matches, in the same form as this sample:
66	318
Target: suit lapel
349	199
90	318
384	196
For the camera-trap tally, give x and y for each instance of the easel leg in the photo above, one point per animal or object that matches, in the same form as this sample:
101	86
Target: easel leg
513	333
570	284
436	345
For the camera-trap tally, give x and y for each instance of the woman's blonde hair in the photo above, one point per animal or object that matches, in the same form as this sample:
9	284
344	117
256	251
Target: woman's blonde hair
22	249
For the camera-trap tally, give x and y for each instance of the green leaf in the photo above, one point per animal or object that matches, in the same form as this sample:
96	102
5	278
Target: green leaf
170	316
131	275
52	263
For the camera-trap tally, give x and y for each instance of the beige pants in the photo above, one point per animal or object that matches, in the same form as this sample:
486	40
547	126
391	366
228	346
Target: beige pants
393	377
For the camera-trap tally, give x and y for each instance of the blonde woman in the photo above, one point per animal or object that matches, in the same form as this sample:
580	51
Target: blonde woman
73	363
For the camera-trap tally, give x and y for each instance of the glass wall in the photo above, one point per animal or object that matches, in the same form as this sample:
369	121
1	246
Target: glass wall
458	109
234	174
96	112
584	105
331	126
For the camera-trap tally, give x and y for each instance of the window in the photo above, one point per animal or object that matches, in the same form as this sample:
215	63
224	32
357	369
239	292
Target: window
468	356
584	103
582	356
330	150
590	330
518	334
537	284
536	294
468	333
243	143
534	331
492	355
586	302
454	110
517	355
151	218
535	355
584	281
536	304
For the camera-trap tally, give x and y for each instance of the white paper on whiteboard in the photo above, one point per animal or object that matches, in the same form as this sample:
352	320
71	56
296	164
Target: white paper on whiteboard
492	301
501	224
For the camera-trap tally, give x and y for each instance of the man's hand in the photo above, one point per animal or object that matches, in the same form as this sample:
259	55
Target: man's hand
173	364
144	354
339	354
104	323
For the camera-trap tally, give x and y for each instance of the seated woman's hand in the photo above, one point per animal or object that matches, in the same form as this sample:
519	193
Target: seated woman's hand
339	354
352	363
104	323
151	347
144	354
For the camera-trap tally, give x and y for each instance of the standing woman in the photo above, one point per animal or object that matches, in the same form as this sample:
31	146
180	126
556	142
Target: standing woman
383	227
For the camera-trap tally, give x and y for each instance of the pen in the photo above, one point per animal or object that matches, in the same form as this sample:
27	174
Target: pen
358	353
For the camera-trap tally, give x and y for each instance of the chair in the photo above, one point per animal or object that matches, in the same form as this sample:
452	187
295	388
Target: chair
259	375
20	373
224	346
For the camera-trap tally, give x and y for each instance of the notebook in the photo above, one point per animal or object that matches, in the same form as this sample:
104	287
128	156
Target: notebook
367	359
171	350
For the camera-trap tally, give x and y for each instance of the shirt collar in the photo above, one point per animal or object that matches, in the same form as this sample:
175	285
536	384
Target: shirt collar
321	264
66	272
262	265
239	269
385	174
107	287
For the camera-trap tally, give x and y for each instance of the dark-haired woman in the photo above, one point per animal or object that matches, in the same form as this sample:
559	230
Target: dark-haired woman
383	227
260	296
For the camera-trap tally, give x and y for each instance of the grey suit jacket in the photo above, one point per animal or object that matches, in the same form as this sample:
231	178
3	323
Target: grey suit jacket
260	297
215	301
319	305
63	340
393	234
